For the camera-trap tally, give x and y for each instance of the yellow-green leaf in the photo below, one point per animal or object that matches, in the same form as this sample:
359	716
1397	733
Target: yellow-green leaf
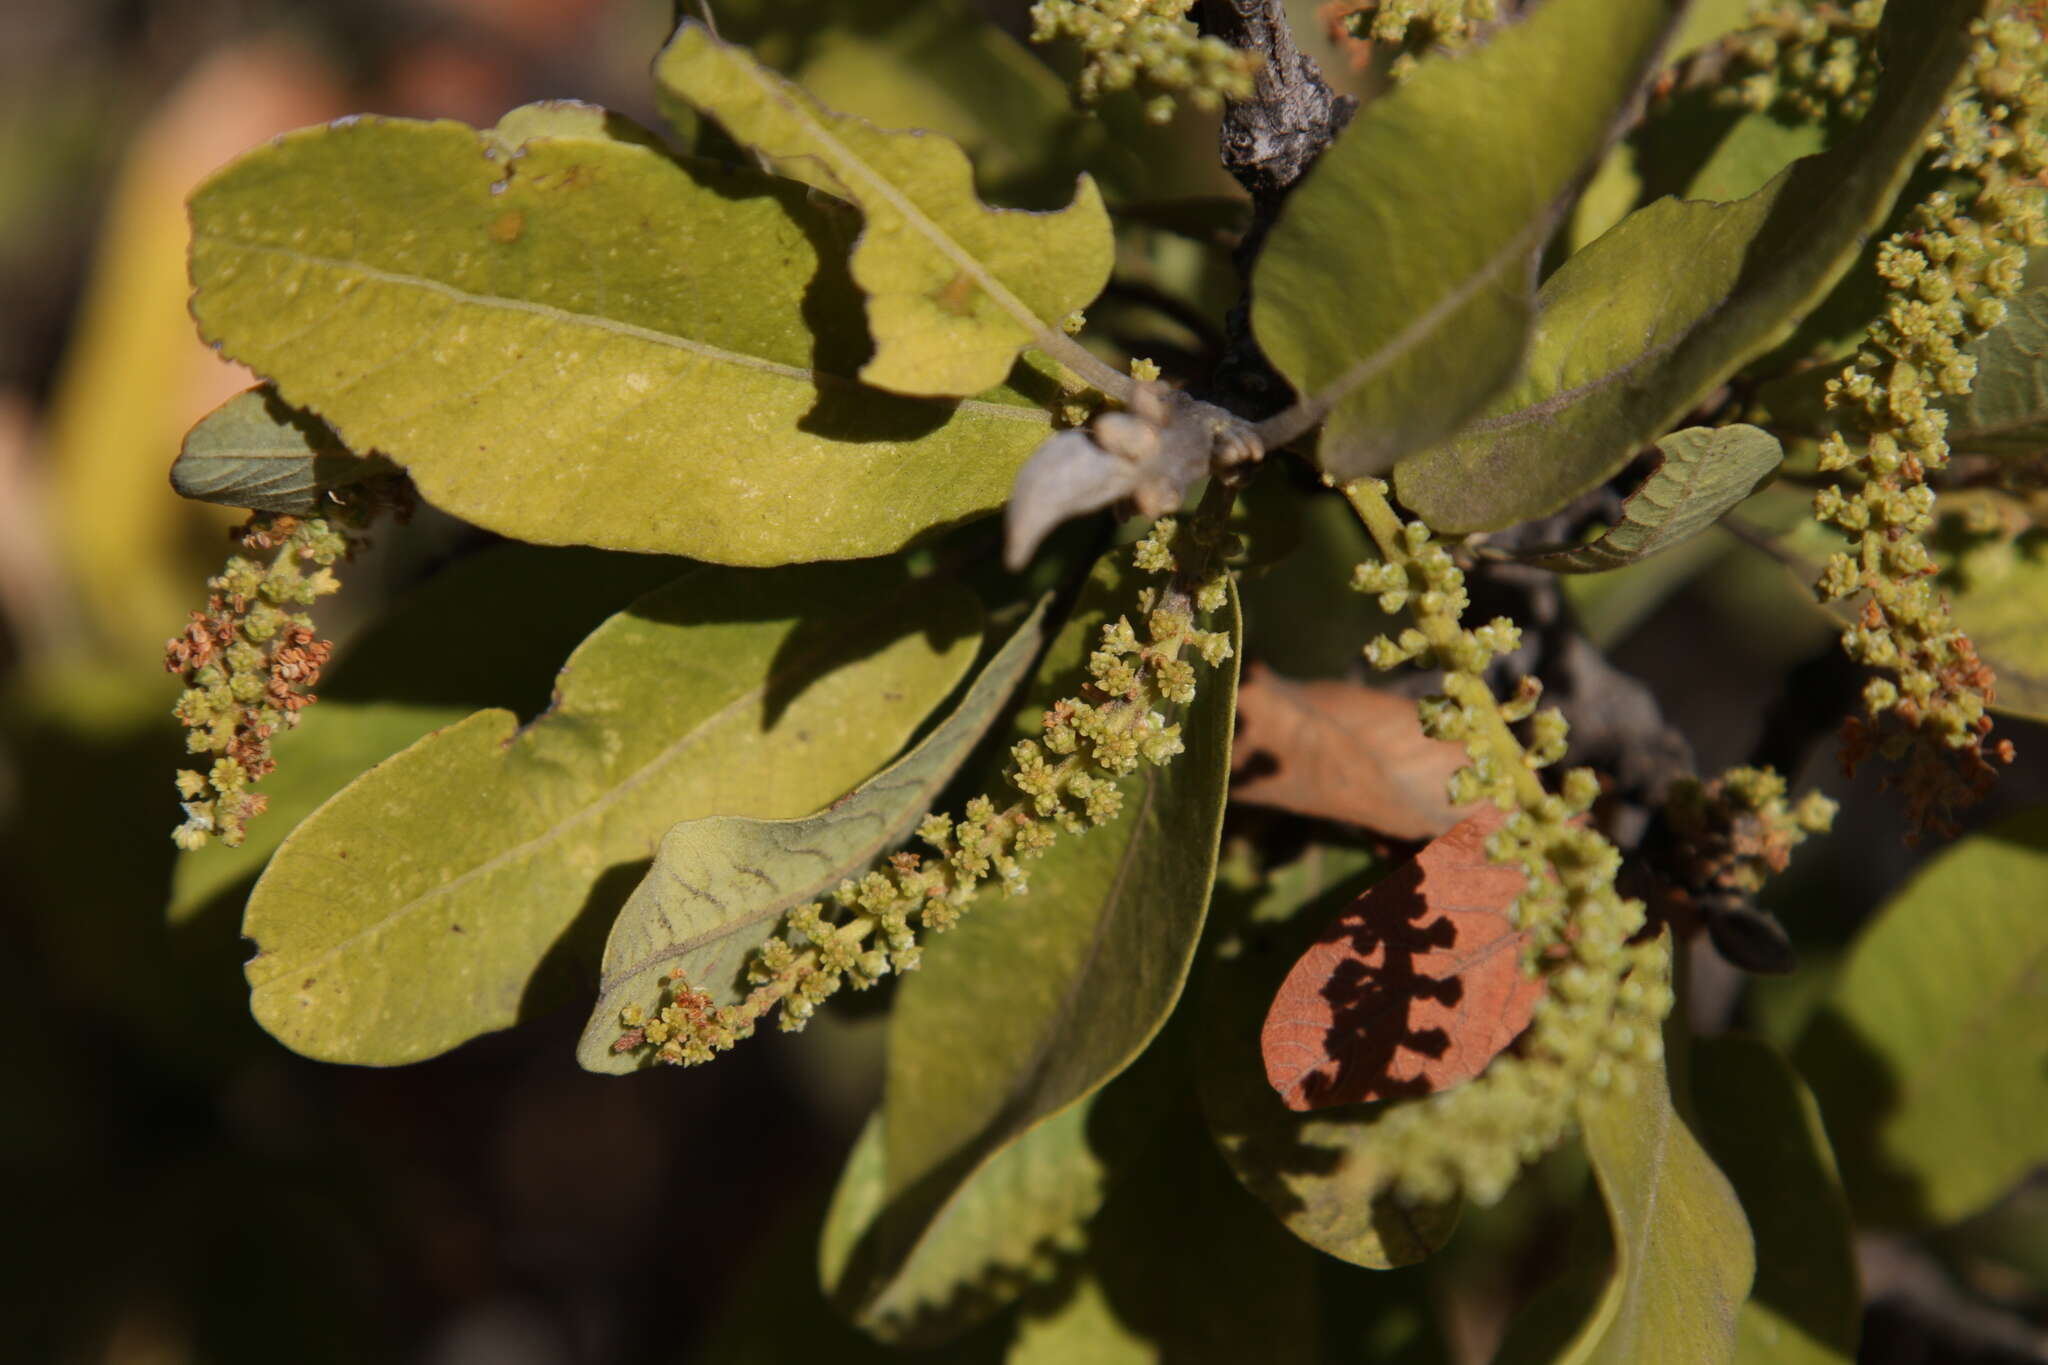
719	886
1927	1058
1683	1257
568	337
1025	1010
1396	290
1764	1130
955	289
419	907
254	451
1704	472
1633	330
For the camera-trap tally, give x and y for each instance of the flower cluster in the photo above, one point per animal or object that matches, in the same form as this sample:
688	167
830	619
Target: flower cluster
1411	27
1806	61
1068	780
1152	43
1949	274
1606	993
250	659
1736	831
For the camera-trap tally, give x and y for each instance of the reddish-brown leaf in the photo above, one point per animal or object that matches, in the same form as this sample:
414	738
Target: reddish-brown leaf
1414	989
1339	751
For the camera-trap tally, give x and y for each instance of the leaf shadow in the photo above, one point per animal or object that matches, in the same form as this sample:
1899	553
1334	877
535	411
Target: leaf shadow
1371	1007
567	972
1858	1090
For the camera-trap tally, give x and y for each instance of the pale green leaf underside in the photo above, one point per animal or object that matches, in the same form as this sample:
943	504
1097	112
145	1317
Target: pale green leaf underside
412	911
1395	292
1764	1131
579	340
1704	472
1928	1057
255	452
1683	1258
720	886
1026	1009
2006	410
407	674
955	289
1632	331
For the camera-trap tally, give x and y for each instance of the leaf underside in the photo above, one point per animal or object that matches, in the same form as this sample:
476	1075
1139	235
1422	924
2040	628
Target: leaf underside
253	451
720	886
1703	473
2006	409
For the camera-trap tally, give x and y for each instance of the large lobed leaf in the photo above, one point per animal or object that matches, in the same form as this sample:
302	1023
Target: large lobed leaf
1025	1010
419	907
253	451
1635	329
719	886
1395	291
569	337
1927	1056
955	289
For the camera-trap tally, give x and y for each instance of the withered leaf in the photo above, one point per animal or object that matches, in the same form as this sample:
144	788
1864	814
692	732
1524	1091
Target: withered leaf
1414	989
1339	751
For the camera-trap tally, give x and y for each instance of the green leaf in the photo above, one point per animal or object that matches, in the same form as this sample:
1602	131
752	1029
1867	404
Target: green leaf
2006	410
1180	1265
418	908
1704	472
1683	1257
408	674
579	340
1764	1131
255	452
1395	291
1024	1010
1318	1172
1927	1057
720	886
1033	1194
1637	328
954	288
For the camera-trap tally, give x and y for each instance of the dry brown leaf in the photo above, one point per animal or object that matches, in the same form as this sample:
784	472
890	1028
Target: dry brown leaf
1414	989
1339	751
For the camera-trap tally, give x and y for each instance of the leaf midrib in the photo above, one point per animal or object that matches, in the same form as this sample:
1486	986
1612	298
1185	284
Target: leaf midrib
610	326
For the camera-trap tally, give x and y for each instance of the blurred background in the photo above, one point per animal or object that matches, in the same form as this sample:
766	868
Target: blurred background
176	1186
